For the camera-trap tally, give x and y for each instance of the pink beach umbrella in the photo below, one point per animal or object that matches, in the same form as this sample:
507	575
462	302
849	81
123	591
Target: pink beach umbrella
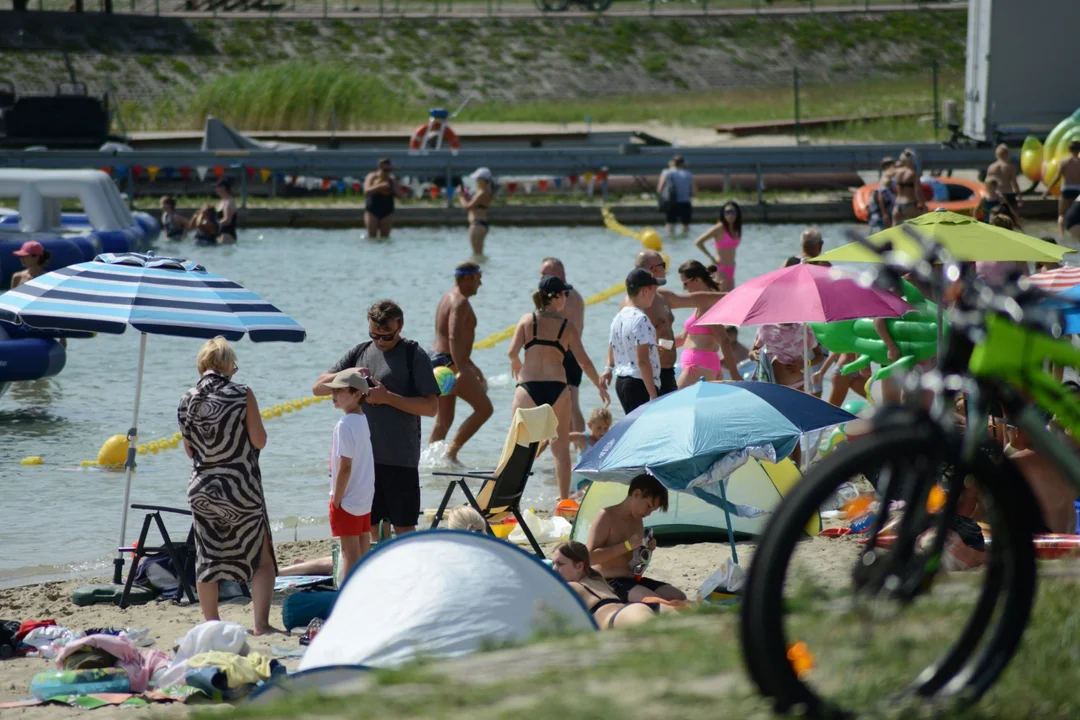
1056	280
801	294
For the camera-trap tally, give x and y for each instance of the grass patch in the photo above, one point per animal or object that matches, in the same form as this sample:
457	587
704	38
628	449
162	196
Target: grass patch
655	63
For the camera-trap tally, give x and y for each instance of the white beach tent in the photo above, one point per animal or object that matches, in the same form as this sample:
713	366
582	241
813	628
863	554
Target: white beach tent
438	594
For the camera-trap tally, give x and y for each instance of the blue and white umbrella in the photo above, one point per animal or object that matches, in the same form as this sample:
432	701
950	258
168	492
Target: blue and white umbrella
154	295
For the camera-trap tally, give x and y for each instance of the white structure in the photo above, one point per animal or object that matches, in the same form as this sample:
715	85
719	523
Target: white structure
41	192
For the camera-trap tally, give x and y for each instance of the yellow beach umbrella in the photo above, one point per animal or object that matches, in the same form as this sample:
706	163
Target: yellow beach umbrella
965	238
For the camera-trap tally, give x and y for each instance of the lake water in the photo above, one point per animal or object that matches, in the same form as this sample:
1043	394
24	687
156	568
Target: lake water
57	518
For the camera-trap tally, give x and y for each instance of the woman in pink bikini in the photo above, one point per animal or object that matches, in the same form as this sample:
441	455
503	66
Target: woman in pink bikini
702	344
726	234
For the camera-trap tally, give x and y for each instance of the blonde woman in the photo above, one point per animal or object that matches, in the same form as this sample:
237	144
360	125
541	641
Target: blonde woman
223	434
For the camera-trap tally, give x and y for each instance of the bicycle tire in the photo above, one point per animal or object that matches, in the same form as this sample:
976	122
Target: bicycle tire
969	665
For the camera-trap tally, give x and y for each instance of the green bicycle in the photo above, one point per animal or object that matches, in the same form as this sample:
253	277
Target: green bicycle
896	592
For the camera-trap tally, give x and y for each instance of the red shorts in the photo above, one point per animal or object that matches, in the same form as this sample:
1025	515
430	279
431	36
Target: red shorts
345	524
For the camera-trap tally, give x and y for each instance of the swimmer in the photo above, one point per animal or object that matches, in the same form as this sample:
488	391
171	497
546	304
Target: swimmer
380	187
702	345
174	226
455	331
206	226
1004	172
34	257
546	336
477	208
1068	172
909	197
226	212
726	235
991	202
574	311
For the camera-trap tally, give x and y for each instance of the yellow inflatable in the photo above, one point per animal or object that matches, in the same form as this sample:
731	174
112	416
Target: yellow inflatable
1039	160
114	451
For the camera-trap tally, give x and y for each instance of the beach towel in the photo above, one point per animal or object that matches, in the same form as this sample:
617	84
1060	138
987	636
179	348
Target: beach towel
206	637
528	426
139	664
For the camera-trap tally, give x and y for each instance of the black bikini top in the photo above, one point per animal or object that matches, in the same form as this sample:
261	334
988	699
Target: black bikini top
549	343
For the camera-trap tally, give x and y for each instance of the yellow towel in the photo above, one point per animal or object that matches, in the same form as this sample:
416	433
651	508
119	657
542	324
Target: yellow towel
529	425
239	670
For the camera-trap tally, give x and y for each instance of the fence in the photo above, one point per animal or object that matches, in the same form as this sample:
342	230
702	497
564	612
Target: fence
288	9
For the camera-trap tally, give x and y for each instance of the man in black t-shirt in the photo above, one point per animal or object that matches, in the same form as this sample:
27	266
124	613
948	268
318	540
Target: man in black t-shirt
404	390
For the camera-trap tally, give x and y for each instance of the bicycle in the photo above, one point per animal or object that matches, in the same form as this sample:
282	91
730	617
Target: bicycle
994	350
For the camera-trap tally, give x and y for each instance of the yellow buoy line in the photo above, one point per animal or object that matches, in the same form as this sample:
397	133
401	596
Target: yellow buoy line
648	237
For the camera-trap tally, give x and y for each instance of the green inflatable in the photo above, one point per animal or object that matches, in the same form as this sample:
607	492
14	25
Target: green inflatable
915	334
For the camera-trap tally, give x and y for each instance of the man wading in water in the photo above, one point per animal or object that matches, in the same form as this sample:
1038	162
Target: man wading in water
455	331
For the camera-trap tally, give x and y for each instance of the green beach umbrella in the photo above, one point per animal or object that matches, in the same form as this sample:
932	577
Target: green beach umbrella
965	238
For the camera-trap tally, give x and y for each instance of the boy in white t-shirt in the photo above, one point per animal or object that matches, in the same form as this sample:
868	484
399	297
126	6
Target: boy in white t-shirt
352	469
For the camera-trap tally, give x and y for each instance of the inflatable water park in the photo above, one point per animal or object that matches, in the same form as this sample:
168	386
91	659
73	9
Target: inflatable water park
105	225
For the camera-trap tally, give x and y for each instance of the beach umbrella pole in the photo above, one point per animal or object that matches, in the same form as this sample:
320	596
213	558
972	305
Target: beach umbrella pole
727	518
803	451
129	464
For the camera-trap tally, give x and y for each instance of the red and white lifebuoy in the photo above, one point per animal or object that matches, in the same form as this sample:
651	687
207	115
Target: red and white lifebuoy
431	132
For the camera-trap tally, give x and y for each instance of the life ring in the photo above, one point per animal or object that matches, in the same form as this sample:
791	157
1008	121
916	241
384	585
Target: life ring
416	142
964	196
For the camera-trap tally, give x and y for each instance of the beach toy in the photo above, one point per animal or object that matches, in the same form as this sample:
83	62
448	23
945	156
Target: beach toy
836	437
855	406
113	451
1040	161
64	683
32	460
445	378
651	239
915	334
1031	157
503	530
566	509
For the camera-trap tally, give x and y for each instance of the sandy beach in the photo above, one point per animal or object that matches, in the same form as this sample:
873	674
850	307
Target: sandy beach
685	566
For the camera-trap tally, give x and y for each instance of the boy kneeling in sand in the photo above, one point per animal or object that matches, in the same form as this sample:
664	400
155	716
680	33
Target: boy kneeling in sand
618	534
352	469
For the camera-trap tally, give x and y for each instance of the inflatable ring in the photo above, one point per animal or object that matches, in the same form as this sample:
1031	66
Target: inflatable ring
430	130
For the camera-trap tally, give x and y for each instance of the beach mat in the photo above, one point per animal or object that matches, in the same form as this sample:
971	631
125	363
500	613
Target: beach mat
110	594
290	582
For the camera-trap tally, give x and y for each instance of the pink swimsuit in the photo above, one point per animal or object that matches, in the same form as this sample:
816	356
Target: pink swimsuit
727	242
699	358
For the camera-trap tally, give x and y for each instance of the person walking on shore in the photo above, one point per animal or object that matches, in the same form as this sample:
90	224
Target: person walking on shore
402	389
223	433
455	332
676	190
547	336
632	351
477	207
574	311
380	188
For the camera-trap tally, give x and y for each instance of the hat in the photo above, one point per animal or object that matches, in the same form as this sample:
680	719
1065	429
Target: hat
551	285
481	174
349	378
640	278
30	247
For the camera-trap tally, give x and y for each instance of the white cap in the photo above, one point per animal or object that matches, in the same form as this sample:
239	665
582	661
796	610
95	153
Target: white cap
481	174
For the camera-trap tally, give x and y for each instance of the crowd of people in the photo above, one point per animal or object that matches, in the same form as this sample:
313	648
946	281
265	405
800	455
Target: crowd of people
210	225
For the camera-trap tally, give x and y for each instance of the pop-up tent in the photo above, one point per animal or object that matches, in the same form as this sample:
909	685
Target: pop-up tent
757	484
442	593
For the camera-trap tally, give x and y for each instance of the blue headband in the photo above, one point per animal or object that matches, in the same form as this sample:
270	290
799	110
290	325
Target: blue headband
467	271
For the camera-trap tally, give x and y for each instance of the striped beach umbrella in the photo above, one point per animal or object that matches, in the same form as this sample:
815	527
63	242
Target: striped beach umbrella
154	295
1056	280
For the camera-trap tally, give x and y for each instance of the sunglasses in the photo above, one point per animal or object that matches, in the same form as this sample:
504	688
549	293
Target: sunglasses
659	264
385	337
731	211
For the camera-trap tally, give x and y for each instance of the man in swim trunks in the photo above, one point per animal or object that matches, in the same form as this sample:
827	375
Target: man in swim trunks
574	311
682	190
618	531
1068	173
455	331
1003	170
812	244
660	315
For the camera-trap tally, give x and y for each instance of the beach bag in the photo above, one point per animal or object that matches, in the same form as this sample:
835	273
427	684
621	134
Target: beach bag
665	199
8	630
299	609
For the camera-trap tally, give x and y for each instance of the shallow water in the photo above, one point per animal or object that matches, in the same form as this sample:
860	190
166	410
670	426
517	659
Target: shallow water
58	518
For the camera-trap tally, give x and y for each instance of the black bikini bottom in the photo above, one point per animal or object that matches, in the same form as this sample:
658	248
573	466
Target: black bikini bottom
543	392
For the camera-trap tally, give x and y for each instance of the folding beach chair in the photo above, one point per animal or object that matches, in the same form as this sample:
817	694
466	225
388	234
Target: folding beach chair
181	554
502	489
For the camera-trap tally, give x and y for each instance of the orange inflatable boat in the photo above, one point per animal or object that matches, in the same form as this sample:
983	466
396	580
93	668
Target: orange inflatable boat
963	196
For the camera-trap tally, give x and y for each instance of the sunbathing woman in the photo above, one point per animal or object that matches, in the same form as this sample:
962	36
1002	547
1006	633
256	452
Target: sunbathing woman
726	234
547	336
571	561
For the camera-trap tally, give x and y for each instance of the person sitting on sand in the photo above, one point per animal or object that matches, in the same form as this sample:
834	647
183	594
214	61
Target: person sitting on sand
617	536
571	560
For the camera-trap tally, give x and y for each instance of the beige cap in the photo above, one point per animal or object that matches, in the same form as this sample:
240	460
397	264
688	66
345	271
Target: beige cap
350	378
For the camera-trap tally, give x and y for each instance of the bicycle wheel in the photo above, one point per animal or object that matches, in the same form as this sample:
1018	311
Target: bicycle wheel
949	640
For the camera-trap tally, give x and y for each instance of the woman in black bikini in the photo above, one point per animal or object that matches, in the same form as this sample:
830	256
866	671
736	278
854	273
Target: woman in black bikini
571	561
477	207
226	212
379	190
547	336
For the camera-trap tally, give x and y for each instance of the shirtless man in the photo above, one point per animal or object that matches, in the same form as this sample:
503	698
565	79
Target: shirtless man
660	315
1004	172
1068	173
575	313
618	531
455	331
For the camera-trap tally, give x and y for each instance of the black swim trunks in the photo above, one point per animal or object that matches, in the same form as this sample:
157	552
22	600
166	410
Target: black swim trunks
397	496
668	381
680	212
622	586
440	359
572	369
1072	215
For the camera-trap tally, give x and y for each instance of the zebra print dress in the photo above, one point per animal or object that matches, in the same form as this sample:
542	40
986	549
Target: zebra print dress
225	492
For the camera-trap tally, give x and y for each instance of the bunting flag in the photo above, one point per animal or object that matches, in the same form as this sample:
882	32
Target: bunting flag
341	186
558	182
153	171
290	179
201	170
168	172
527	186
434	190
264	174
542	184
136	170
572	179
250	172
326	184
587	176
185	173
356	187
219	170
450	192
121	172
511	188
280	177
107	170
602	175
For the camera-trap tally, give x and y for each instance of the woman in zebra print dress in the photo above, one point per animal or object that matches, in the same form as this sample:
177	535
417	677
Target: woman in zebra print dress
223	433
